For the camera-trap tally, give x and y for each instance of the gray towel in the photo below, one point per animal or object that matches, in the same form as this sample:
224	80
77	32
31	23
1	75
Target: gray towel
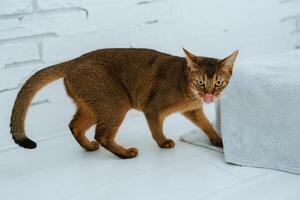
260	113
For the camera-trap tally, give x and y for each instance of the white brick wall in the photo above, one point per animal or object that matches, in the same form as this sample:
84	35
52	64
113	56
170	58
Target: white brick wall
13	7
293	18
37	33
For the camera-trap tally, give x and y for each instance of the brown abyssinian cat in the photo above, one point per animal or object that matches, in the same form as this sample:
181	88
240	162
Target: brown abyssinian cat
105	84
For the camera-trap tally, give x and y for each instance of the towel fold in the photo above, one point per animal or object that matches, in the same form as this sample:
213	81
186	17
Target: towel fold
197	137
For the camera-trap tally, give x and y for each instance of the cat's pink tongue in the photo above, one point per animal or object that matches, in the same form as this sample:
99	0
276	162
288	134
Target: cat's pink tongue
208	98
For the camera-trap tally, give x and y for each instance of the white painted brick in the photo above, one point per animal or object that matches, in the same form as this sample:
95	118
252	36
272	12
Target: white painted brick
11	78
104	15
62	24
10	53
57	4
12	28
18	52
68	47
112	16
55	23
15	6
70	23
8	24
157	33
289	9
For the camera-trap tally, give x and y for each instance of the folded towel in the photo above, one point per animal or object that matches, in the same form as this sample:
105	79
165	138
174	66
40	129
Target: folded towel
197	137
260	113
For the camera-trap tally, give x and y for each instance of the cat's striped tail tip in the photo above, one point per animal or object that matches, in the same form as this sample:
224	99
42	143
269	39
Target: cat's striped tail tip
26	143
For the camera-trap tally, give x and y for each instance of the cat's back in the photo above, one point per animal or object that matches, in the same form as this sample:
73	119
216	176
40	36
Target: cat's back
131	64
137	69
126	55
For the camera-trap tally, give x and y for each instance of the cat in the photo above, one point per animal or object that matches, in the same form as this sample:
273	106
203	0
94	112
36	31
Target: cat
105	84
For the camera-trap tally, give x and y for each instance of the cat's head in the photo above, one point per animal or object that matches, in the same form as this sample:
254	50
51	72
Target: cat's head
208	76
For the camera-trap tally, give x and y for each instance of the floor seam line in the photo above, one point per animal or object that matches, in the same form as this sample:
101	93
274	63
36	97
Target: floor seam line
232	186
122	179
228	172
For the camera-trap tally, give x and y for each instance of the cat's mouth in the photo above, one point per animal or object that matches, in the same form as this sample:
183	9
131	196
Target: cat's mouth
208	98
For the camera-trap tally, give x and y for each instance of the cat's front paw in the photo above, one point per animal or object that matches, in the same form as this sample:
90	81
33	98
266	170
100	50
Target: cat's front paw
93	146
217	142
168	143
130	153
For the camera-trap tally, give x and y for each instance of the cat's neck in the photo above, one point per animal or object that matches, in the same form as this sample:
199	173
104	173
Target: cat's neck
183	83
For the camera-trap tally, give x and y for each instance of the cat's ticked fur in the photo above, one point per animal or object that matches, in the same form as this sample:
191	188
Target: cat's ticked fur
105	84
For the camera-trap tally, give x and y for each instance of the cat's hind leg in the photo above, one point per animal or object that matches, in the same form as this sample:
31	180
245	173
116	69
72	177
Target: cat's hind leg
80	123
106	130
83	119
108	98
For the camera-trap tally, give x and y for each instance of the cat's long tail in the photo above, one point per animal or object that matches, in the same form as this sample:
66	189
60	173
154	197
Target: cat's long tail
24	98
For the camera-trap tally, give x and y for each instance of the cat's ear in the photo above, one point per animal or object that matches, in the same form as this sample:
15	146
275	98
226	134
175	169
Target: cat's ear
191	60
228	62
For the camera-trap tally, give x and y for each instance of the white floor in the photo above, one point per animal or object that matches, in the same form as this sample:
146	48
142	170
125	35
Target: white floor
60	169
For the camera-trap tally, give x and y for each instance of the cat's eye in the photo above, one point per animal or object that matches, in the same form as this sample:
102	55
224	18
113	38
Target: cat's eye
219	83
200	83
